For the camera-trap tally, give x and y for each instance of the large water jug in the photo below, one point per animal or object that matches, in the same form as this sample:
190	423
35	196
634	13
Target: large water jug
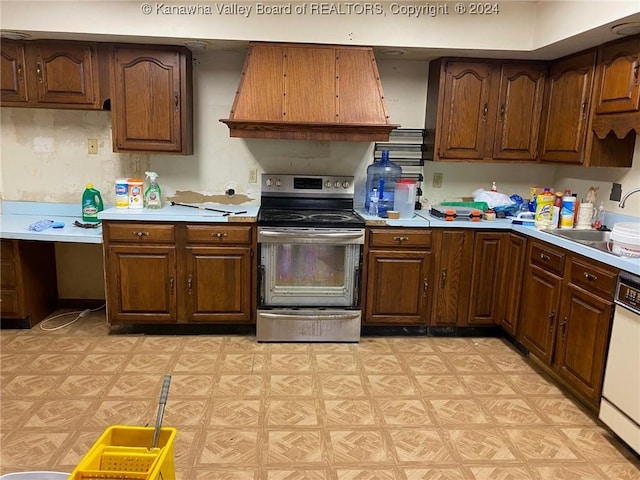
382	176
405	198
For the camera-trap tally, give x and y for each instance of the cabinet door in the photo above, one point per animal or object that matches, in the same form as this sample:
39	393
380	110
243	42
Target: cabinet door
11	304
618	90
513	263
565	117
218	284
465	110
65	74
13	80
451	277
519	108
398	287
150	100
485	278
141	284
583	334
540	305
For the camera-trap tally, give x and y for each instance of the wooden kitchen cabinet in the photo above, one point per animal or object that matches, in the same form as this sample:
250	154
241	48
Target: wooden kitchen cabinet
175	273
512	268
151	93
141	272
50	74
485	110
485	278
398	273
618	90
28	284
585	324
220	281
566	318
453	255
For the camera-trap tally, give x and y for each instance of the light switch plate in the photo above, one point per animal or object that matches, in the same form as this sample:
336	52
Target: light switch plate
437	180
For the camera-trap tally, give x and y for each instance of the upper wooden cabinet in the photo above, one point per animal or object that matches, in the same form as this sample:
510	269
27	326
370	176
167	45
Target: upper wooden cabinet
618	90
151	99
486	110
51	74
566	132
565	120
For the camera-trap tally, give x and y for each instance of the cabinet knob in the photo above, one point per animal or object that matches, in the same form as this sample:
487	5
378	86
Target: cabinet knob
591	277
544	257
141	234
401	239
219	235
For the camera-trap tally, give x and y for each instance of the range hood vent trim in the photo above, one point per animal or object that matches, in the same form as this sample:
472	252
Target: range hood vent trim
305	92
620	124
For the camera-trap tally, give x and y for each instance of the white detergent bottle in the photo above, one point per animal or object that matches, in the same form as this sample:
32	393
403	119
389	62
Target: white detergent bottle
153	194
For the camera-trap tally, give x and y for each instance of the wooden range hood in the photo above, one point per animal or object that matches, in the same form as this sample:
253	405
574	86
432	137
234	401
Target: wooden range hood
310	92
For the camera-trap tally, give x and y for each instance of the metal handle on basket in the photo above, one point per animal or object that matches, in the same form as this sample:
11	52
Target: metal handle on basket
163	401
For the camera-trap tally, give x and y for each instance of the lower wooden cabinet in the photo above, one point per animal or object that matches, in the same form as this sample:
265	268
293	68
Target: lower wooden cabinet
398	269
177	273
512	269
567	309
485	278
28	283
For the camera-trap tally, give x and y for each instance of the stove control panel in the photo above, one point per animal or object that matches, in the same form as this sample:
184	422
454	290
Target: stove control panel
298	185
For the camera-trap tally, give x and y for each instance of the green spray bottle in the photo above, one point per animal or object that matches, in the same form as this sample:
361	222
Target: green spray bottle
91	204
153	194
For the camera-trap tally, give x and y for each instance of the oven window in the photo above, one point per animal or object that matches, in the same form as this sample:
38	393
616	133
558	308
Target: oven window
310	265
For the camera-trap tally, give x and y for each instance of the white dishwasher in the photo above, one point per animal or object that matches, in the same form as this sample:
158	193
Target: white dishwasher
620	406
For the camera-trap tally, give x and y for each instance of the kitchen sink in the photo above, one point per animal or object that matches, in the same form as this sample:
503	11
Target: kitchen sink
587	237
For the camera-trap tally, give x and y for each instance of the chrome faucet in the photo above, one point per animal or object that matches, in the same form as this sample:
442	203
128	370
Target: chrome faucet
627	195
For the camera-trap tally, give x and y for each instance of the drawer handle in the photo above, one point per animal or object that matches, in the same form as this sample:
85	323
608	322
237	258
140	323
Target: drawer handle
171	283
141	234
39	71
590	276
552	315
219	235
563	326
443	278
401	239
425	286
544	257
190	283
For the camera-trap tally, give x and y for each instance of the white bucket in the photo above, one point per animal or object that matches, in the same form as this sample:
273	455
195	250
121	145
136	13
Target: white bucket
40	475
625	239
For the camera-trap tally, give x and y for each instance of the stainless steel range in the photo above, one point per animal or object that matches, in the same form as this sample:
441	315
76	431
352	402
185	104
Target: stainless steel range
310	242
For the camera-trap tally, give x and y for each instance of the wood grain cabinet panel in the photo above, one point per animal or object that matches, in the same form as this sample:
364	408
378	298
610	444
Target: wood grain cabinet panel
512	268
51	74
619	88
485	278
398	271
151	91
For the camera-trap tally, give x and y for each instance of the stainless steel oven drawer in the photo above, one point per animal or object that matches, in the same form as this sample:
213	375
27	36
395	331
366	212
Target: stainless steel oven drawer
308	325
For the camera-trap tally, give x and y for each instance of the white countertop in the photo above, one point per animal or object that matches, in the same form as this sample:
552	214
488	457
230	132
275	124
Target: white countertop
179	213
17	216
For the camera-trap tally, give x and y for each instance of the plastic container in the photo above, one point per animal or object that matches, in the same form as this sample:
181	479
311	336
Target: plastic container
625	239
585	214
91	204
404	197
153	194
568	212
544	209
383	176
136	194
35	475
124	453
557	209
122	193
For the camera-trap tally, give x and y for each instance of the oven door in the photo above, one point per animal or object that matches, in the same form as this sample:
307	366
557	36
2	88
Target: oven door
305	267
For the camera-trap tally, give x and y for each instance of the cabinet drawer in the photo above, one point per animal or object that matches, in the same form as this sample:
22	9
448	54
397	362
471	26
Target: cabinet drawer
400	238
218	234
592	278
140	232
547	258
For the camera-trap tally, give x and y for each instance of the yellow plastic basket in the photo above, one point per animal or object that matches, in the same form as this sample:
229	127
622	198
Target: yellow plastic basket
125	453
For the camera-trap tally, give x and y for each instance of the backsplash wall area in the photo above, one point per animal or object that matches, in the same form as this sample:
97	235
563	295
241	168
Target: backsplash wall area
45	158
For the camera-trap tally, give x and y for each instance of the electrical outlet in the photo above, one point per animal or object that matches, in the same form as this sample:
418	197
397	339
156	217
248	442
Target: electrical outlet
437	180
92	145
253	175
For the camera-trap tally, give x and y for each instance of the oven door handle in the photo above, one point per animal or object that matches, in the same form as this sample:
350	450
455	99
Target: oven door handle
293	316
333	235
